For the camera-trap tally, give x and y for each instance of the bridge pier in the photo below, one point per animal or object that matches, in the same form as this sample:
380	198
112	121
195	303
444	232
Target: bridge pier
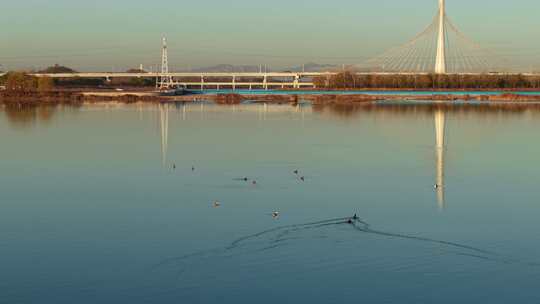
234	82
202	83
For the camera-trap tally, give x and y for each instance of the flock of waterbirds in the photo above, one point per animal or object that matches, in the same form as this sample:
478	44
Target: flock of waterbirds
217	203
354	221
275	214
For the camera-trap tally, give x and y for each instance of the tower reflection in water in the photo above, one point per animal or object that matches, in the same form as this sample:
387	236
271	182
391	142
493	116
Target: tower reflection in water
440	129
263	109
164	126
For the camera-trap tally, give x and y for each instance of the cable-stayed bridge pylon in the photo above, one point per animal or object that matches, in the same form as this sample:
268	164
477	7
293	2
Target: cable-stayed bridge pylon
441	48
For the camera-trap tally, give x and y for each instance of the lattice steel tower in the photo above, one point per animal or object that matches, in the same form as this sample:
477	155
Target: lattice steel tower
165	80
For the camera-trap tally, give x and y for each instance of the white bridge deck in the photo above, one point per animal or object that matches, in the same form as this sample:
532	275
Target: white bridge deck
206	80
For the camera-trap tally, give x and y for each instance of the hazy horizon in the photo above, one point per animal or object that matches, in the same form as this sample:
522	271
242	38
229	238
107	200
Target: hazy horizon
106	36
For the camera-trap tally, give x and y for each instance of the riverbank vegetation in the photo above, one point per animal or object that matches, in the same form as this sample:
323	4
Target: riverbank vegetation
20	87
21	82
349	80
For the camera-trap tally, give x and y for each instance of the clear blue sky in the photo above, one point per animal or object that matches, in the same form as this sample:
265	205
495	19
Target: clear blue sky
105	35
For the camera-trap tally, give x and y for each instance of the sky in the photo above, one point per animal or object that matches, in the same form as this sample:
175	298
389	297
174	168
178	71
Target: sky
114	35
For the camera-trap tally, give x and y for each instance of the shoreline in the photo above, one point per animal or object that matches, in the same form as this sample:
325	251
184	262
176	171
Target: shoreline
78	97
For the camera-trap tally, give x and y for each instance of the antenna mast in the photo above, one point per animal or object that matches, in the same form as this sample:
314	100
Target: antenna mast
166	80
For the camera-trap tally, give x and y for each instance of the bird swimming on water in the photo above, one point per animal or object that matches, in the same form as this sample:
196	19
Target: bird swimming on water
275	214
216	204
295	172
244	179
303	179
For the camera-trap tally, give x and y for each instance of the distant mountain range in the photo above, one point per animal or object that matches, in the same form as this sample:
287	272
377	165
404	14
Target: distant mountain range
314	67
228	68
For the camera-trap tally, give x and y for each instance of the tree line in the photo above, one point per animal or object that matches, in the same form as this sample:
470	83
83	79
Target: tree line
349	80
22	82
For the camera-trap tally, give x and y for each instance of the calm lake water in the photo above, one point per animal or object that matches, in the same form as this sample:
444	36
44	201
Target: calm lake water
92	211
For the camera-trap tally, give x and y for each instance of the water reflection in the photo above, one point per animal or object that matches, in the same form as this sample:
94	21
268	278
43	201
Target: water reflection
344	111
21	115
103	189
164	127
24	116
440	129
436	110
